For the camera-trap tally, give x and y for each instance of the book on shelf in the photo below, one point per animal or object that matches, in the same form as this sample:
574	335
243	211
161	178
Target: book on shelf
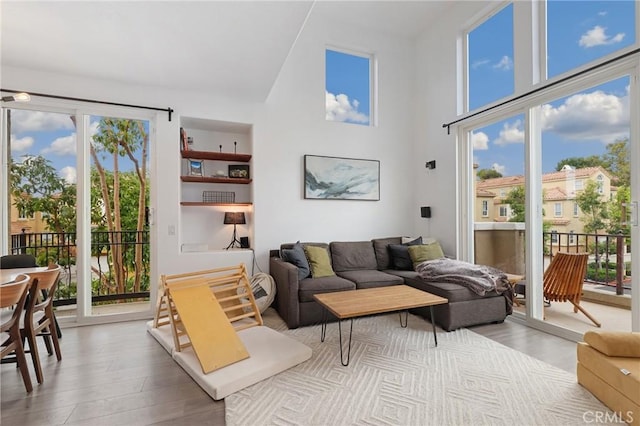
184	146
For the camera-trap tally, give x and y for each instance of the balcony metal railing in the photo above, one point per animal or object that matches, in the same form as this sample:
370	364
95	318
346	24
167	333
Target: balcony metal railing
609	253
107	248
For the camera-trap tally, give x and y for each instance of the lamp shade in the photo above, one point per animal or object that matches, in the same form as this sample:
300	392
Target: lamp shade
234	218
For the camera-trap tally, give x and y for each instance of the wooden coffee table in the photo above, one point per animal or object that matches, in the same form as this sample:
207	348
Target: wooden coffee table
357	303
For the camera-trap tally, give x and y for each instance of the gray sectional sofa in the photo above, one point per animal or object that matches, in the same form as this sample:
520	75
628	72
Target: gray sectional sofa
367	264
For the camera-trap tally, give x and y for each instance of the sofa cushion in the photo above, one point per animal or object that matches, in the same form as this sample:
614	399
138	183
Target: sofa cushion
352	255
400	254
296	256
319	261
423	252
453	292
381	249
614	343
368	278
311	286
609	370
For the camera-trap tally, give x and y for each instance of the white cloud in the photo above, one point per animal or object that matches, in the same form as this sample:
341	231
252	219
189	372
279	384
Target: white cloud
593	116
21	144
480	141
65	145
69	174
479	63
499	168
603	13
505	64
36	121
510	133
597	37
339	108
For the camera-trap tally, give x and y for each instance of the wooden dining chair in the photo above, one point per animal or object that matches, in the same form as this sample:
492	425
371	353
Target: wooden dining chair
39	320
13	295
564	278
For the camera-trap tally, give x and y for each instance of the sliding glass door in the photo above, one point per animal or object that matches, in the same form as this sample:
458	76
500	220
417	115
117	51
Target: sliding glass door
78	194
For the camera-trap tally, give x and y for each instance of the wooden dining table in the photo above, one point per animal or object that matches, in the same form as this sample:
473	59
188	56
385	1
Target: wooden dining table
8	275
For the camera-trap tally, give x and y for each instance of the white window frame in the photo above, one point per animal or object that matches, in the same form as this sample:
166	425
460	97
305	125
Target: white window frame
485	208
373	81
530	50
576	209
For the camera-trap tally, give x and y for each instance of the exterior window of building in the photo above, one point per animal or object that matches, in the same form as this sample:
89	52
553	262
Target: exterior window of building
485	208
557	209
579	184
576	209
600	184
23	214
572	237
504	211
348	87
554	236
490	68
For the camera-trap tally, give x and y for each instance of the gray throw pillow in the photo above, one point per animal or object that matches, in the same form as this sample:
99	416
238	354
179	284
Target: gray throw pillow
400	254
296	256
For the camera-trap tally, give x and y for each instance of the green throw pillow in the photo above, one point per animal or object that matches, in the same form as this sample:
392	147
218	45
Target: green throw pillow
423	252
319	261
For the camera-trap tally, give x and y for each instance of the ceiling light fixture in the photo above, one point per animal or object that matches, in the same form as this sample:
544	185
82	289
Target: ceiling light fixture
18	97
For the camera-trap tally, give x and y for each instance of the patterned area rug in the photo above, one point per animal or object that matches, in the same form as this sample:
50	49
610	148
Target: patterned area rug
397	377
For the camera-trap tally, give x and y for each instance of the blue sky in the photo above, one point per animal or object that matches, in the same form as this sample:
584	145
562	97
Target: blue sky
578	125
53	136
347	87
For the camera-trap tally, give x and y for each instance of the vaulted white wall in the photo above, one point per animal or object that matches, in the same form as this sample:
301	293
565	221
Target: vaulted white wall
437	102
285	128
294	125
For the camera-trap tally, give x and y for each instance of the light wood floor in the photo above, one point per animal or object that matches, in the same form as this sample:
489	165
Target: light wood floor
117	374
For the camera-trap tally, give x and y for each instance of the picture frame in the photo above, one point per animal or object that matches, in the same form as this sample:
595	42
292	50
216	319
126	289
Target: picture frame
337	178
239	171
196	168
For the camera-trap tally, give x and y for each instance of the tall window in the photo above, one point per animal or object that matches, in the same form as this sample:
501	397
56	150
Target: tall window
485	208
504	211
576	209
348	87
490	68
579	32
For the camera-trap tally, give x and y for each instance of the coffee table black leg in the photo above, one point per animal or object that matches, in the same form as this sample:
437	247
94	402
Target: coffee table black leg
406	318
433	324
323	328
349	349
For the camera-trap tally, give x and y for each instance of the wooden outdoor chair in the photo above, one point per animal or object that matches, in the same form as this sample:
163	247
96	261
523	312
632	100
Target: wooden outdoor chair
39	320
563	280
14	295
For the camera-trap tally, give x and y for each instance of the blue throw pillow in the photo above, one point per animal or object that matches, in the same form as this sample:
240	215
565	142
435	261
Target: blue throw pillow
296	256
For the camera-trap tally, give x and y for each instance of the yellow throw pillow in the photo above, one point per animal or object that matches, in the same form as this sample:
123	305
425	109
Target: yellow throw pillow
319	261
423	252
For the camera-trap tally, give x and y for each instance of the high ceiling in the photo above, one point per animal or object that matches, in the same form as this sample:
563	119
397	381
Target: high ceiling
231	48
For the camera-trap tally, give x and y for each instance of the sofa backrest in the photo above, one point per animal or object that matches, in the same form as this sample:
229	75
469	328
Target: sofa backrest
284	246
352	255
381	249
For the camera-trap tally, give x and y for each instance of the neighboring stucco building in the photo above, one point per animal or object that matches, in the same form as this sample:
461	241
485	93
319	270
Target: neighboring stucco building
559	204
